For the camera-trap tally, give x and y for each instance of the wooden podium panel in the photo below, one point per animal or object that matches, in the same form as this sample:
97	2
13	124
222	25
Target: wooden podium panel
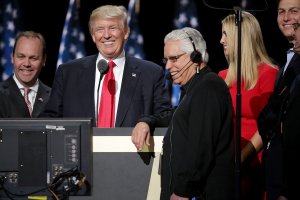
119	171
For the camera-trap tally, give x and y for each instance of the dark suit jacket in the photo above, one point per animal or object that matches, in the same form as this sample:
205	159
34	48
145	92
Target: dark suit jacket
142	92
291	135
280	129
12	102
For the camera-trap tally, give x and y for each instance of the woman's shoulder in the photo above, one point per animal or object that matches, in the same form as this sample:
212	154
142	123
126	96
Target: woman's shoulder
266	68
267	72
223	73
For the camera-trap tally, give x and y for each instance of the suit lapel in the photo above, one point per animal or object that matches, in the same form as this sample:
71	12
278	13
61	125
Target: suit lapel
17	99
41	99
295	84
86	88
131	76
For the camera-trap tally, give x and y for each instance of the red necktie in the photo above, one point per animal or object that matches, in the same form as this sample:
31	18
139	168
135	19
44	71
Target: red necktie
26	92
106	116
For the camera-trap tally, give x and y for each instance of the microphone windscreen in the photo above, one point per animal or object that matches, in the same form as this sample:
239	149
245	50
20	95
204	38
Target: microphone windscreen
102	66
290	45
168	76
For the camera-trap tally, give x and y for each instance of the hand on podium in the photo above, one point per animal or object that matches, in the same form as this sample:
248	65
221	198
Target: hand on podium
140	136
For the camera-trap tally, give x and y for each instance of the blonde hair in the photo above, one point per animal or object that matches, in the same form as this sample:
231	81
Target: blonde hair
109	12
253	51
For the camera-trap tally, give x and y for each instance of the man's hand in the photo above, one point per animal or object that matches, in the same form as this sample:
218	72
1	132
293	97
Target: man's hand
140	135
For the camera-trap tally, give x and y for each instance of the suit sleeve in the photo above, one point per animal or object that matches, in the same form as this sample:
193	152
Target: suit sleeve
161	104
54	106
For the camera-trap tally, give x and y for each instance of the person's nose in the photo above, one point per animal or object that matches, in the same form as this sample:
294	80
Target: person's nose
287	16
222	40
106	33
27	62
168	65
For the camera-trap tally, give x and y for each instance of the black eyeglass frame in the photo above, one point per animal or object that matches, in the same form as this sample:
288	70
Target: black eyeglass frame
173	59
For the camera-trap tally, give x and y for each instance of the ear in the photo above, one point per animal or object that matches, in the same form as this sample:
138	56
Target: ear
44	62
93	37
126	36
12	58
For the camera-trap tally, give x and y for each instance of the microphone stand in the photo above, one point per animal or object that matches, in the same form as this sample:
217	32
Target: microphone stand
238	21
101	77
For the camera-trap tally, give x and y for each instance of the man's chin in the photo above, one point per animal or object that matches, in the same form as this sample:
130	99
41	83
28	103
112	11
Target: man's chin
289	34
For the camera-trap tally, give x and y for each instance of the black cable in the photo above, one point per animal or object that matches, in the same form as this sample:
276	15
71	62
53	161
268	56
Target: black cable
231	9
74	178
9	193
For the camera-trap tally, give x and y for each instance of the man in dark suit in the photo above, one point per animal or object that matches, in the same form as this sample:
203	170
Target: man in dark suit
291	127
140	95
279	121
28	58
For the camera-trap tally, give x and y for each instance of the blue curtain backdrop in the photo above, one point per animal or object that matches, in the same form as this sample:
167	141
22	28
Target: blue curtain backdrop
72	39
10	25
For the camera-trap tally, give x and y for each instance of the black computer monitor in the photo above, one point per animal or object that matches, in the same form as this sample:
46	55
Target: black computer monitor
45	157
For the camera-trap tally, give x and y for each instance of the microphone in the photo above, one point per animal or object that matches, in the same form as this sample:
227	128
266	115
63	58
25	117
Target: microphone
296	48
290	45
168	76
103	68
172	74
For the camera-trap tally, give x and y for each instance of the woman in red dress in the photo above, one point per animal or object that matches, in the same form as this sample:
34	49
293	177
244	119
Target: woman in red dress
258	75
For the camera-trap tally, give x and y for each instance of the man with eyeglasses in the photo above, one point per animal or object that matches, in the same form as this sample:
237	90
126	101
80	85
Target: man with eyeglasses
198	148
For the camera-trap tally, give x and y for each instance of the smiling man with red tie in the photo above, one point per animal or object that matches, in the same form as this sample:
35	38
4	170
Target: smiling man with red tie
137	93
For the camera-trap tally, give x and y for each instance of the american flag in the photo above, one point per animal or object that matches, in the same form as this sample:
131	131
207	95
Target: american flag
9	27
72	40
185	16
134	44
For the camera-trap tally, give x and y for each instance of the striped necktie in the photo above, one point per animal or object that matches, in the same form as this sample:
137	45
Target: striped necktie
26	92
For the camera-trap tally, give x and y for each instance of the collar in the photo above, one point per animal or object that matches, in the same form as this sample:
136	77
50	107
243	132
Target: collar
20	86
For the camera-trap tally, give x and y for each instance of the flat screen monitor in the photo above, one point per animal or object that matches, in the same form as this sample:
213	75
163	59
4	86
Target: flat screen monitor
49	157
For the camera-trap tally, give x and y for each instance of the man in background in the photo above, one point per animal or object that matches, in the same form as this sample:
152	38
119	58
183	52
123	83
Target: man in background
23	94
277	123
198	148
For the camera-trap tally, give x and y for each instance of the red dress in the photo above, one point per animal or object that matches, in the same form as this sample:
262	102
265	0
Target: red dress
252	102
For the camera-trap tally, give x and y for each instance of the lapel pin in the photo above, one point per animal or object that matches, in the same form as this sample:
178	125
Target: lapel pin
41	99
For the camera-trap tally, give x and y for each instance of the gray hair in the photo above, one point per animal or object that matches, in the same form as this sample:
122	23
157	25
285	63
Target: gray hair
186	35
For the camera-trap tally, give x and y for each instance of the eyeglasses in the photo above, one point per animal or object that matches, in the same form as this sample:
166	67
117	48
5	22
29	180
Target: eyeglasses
173	59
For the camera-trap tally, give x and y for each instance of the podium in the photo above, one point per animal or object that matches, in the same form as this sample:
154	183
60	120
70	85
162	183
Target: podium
119	171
